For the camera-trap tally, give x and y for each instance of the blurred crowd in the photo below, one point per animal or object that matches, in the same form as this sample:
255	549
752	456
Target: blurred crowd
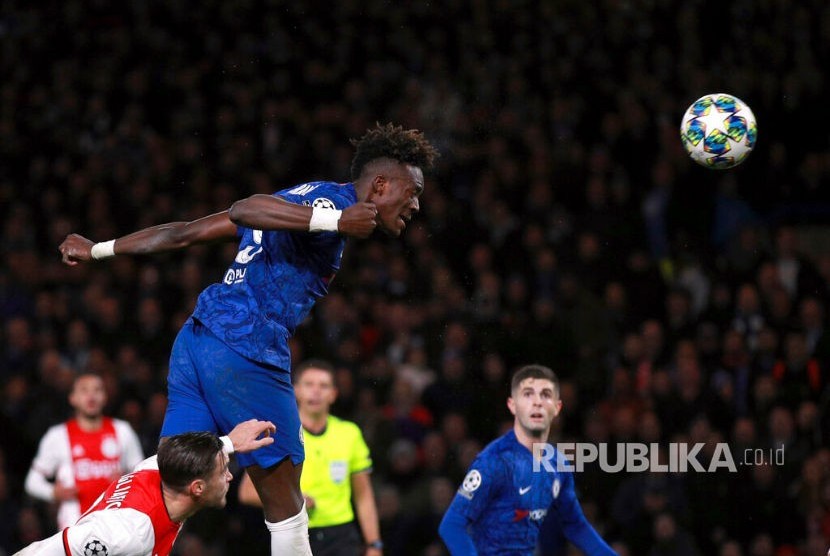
564	225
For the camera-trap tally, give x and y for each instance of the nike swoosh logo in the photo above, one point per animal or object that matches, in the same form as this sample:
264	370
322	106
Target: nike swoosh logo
522	491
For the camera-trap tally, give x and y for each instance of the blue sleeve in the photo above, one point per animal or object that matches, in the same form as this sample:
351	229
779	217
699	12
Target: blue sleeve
574	523
552	540
453	531
473	497
321	194
317	194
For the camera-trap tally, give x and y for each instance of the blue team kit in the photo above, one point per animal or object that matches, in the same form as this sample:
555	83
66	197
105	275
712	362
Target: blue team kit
241	326
503	502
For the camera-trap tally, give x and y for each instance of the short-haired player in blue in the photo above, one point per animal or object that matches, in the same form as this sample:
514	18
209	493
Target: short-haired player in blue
230	362
502	501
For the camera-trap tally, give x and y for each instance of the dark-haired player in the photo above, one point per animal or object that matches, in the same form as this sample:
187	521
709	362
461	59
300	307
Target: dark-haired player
143	512
503	501
230	361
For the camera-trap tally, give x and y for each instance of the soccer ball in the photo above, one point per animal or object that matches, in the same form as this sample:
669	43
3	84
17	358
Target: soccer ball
718	131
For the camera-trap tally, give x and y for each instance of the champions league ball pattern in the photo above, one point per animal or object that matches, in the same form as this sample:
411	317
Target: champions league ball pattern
718	131
95	548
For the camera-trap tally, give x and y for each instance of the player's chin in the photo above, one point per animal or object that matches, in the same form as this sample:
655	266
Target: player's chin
538	425
396	230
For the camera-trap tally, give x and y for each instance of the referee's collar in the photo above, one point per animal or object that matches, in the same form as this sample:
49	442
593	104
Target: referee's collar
322	432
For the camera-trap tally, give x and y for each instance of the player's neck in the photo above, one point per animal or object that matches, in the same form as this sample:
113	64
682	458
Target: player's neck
314	423
89	424
179	507
528	440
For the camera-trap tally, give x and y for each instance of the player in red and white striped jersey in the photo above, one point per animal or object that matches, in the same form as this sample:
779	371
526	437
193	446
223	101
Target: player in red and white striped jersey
78	459
141	513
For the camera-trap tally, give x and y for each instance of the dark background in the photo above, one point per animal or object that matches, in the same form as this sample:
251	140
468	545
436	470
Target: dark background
563	225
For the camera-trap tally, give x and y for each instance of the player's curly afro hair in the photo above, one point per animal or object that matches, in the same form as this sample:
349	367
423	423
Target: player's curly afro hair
389	141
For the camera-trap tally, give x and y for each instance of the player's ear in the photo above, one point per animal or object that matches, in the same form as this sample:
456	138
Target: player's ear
197	487
379	184
511	405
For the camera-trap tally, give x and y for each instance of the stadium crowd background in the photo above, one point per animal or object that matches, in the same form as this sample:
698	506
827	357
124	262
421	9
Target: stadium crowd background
564	226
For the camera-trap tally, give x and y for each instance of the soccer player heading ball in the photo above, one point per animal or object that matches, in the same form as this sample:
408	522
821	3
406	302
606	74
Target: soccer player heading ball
290	246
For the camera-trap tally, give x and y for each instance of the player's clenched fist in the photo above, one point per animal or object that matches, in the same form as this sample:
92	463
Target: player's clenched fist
75	248
358	220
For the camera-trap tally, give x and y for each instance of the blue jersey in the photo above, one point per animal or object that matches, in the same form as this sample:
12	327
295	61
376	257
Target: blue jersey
275	279
503	502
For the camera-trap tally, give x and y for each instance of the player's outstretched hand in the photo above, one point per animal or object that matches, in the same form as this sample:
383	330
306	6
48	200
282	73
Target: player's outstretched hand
75	249
249	435
358	220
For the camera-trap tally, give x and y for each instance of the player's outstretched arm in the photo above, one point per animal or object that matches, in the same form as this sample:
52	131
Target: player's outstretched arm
249	435
267	212
156	239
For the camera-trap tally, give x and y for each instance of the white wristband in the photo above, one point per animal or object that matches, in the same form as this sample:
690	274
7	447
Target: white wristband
227	444
323	220
103	250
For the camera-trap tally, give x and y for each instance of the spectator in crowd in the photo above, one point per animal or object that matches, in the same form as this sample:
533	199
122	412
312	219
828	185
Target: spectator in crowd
670	539
798	376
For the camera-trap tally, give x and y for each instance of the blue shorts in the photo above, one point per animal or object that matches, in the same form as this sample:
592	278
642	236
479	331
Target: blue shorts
212	388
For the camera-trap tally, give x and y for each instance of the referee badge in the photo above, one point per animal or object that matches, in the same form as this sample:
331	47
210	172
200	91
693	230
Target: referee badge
338	471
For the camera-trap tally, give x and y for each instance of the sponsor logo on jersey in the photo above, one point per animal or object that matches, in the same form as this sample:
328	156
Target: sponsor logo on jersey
519	514
86	469
555	488
234	275
533	515
523	490
537	515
